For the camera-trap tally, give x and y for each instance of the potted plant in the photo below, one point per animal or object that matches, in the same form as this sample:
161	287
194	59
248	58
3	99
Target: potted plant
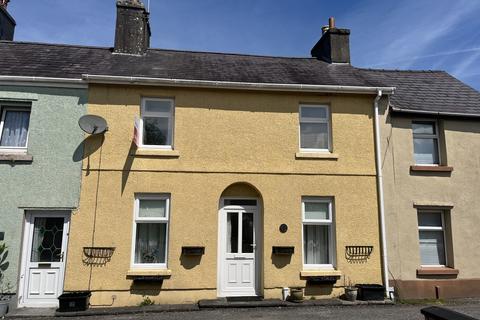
296	295
5	287
350	289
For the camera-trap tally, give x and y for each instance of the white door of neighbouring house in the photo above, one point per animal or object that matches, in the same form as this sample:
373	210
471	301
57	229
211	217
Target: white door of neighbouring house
43	259
238	256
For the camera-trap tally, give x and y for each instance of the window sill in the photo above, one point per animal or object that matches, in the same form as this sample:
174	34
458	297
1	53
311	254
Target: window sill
316	155
156	153
146	273
16	157
431	168
437	271
320	273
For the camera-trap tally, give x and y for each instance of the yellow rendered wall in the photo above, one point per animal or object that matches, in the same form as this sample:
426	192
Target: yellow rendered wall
223	137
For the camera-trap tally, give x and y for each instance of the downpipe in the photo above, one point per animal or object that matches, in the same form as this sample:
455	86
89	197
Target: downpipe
378	162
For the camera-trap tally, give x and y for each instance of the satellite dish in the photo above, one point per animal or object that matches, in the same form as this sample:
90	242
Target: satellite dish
92	124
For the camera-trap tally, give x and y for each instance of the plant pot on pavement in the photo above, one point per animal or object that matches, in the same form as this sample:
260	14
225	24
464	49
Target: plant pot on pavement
351	293
296	294
4	307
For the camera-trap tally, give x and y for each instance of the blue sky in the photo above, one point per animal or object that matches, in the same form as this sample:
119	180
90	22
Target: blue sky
391	34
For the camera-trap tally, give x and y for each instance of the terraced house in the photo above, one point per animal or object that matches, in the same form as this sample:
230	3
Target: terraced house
227	175
40	168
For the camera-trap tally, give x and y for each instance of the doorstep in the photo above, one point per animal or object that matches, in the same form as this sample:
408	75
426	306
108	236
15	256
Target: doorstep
49	313
23	313
221	303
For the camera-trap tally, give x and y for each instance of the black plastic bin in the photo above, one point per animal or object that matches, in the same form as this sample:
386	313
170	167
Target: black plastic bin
74	301
368	292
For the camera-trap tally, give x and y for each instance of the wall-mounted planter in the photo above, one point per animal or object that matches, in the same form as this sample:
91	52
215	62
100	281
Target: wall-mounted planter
283	250
193	251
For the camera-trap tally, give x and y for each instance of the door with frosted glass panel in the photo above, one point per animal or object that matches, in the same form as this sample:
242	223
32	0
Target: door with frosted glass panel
46	234
239	245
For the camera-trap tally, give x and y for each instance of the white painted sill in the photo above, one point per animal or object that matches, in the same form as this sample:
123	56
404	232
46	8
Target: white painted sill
316	155
321	273
156	153
149	273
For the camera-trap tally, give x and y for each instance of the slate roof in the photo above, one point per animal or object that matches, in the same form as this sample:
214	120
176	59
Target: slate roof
428	91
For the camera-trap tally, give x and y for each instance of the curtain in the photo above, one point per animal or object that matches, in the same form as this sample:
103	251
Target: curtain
432	248
316	244
150	243
15	129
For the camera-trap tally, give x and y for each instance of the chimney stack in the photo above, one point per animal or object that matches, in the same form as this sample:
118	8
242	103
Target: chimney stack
7	23
132	31
334	45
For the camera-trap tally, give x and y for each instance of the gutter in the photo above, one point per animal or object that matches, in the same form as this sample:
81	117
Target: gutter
43	82
106	79
378	162
449	114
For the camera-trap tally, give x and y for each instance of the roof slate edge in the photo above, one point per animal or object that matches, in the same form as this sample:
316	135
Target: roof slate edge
434	113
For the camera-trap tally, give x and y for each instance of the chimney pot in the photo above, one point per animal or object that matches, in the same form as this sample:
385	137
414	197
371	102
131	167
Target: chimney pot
331	22
4	3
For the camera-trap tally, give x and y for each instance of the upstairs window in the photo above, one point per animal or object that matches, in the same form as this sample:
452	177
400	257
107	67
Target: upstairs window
314	128
157	123
425	143
431	232
14	126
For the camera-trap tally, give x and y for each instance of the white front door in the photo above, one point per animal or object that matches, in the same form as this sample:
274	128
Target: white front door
46	239
238	274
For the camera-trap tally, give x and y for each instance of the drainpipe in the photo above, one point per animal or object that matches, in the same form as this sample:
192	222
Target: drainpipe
378	161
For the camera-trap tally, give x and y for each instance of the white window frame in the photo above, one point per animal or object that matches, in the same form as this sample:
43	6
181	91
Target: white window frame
331	237
4	109
427	136
438	229
164	220
315	120
171	121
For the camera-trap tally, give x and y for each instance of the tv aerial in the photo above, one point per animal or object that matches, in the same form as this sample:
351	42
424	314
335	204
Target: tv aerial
93	124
